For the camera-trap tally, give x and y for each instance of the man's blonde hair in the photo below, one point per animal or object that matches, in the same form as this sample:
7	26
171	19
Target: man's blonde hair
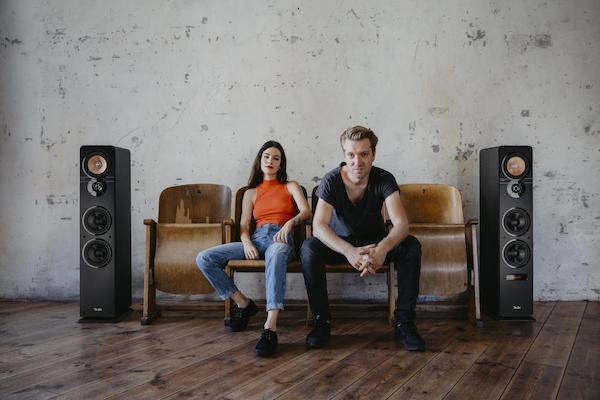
359	133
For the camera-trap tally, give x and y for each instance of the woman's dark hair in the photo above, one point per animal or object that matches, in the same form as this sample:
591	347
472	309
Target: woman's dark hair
257	176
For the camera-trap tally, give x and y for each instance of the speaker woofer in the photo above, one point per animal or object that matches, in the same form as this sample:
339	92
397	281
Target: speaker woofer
96	253
514	166
516	253
516	221
96	165
96	220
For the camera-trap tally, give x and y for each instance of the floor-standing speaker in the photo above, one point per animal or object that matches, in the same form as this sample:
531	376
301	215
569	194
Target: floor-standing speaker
105	233
506	230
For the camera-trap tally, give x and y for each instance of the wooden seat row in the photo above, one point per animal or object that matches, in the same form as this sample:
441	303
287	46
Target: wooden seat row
194	217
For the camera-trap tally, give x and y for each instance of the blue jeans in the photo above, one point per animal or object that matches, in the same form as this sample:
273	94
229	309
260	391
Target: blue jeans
212	262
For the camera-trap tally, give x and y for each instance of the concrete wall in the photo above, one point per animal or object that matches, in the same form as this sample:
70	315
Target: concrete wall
194	87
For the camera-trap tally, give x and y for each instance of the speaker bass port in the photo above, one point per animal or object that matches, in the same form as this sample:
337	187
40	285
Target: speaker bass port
516	221
516	253
96	253
96	220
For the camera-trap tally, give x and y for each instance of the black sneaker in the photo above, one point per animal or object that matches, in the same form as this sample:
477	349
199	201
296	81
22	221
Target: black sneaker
406	333
241	316
267	344
320	334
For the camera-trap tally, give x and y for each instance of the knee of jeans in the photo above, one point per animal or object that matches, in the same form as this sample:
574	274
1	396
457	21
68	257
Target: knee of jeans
413	246
309	247
279	248
202	260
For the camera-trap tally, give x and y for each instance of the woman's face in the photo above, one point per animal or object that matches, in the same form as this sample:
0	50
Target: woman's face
270	162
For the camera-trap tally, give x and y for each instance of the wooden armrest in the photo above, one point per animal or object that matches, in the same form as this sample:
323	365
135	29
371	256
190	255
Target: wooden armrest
228	222
472	222
150	222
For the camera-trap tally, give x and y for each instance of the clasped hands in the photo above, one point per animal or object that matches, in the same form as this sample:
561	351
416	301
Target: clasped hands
366	259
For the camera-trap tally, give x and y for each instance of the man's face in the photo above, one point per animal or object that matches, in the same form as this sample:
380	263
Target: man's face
359	157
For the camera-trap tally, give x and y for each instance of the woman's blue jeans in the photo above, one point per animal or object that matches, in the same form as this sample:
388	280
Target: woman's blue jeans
212	263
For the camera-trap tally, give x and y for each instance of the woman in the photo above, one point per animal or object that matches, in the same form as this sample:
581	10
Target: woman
271	201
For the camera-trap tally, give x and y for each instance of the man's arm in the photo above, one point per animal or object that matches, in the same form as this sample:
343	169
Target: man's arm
396	235
325	234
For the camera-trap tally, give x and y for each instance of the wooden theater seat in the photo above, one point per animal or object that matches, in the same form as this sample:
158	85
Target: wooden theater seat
190	218
234	266
449	265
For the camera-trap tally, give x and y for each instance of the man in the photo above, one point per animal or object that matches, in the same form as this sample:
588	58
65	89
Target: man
348	226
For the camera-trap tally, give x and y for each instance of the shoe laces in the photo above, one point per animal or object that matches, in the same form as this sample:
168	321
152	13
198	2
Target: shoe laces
408	328
239	312
268	335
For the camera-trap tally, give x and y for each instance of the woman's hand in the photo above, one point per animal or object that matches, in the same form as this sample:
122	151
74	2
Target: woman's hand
283	233
250	251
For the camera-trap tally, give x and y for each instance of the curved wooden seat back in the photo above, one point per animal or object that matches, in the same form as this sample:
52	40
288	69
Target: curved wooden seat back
299	230
435	217
432	203
189	220
192	204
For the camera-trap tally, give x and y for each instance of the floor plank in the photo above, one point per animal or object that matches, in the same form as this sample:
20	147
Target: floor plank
102	362
540	374
190	354
582	377
267	377
497	365
307	366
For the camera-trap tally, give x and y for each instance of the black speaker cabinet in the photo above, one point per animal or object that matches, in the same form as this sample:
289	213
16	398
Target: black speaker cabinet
506	231
105	233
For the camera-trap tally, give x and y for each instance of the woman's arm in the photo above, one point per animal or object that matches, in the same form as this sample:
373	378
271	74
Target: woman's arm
247	207
303	214
301	202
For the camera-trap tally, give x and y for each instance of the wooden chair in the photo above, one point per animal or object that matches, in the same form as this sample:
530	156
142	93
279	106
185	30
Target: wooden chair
449	245
234	266
190	218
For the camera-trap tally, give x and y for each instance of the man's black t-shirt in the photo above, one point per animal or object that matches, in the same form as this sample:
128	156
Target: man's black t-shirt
359	223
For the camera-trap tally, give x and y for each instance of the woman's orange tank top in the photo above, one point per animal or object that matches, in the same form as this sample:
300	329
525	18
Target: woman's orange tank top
273	204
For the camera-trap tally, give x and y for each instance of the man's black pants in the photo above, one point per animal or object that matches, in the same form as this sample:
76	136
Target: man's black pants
407	261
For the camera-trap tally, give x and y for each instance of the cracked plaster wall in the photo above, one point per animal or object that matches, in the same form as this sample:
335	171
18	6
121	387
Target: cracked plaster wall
193	88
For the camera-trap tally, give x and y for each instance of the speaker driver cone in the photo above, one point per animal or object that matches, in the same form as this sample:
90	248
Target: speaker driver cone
516	253
96	220
514	166
516	221
96	253
96	165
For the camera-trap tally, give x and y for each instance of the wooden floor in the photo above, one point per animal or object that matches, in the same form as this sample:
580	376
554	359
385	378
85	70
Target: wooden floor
45	353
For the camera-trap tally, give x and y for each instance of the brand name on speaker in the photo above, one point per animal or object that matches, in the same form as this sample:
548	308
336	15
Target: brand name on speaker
516	307
98	309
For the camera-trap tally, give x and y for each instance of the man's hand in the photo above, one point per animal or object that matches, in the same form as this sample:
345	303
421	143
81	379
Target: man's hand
250	251
374	259
356	258
283	233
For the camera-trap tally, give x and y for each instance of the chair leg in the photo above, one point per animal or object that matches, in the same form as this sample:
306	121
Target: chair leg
150	310
228	304
474	301
391	278
307	313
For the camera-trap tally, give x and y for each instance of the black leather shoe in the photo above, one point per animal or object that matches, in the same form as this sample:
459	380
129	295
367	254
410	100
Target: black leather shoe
267	344
407	334
241	316
320	334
